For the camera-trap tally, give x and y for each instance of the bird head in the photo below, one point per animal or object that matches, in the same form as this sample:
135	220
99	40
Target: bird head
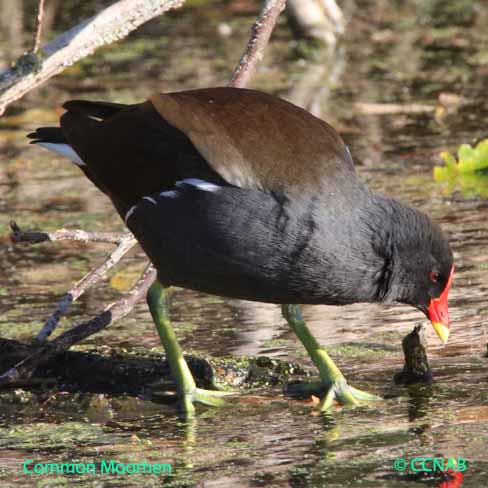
420	265
425	270
431	296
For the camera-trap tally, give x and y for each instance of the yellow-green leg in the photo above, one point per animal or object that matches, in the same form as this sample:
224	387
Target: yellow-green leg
187	390
332	381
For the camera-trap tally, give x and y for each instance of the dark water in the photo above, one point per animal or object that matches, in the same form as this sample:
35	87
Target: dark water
394	52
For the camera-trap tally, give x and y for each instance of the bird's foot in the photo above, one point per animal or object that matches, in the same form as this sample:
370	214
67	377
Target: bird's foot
213	398
186	400
337	390
340	391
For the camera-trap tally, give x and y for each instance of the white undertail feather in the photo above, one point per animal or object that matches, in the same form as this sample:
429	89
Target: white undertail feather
64	150
129	213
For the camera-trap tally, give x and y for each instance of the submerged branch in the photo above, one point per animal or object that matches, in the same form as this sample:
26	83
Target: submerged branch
416	368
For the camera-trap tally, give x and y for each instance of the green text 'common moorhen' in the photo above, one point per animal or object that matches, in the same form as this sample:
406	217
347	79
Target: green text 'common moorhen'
241	194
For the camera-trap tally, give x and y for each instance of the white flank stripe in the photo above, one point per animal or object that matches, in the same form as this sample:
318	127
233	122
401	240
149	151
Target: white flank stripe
169	193
200	184
149	199
64	150
129	213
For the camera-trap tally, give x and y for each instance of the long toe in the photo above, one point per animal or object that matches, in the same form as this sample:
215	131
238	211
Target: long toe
305	389
345	395
212	397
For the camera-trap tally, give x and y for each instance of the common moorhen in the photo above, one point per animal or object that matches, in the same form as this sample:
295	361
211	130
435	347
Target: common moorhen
238	193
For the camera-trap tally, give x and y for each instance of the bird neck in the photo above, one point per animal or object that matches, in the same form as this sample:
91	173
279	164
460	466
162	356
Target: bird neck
354	254
393	230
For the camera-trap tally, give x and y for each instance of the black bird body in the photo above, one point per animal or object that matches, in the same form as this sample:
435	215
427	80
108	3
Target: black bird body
247	244
284	218
237	193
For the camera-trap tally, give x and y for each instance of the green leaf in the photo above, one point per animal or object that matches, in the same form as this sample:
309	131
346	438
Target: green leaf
469	171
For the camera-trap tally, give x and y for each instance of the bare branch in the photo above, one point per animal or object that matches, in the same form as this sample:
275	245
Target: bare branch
392	108
18	235
36	41
113	312
125	241
260	34
110	25
95	275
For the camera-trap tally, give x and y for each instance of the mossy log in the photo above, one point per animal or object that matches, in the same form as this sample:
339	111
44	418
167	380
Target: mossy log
112	371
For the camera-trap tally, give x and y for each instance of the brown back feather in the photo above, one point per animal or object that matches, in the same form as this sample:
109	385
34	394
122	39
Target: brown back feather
233	128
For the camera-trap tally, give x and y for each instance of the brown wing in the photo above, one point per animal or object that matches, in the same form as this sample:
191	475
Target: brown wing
257	141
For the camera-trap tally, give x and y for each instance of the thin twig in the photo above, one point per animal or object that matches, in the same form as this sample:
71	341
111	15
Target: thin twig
392	108
260	34
18	235
96	274
25	368
36	41
124	241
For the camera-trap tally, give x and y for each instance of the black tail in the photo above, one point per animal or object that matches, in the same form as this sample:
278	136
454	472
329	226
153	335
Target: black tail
99	110
47	134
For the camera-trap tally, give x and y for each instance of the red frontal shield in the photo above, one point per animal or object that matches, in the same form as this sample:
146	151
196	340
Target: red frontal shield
438	312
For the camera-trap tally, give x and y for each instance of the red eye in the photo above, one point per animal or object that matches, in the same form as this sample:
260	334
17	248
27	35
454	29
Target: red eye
434	276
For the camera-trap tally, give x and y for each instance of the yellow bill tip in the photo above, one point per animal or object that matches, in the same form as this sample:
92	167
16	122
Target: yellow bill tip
442	331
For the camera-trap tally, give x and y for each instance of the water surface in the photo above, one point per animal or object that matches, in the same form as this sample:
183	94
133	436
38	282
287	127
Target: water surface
394	52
